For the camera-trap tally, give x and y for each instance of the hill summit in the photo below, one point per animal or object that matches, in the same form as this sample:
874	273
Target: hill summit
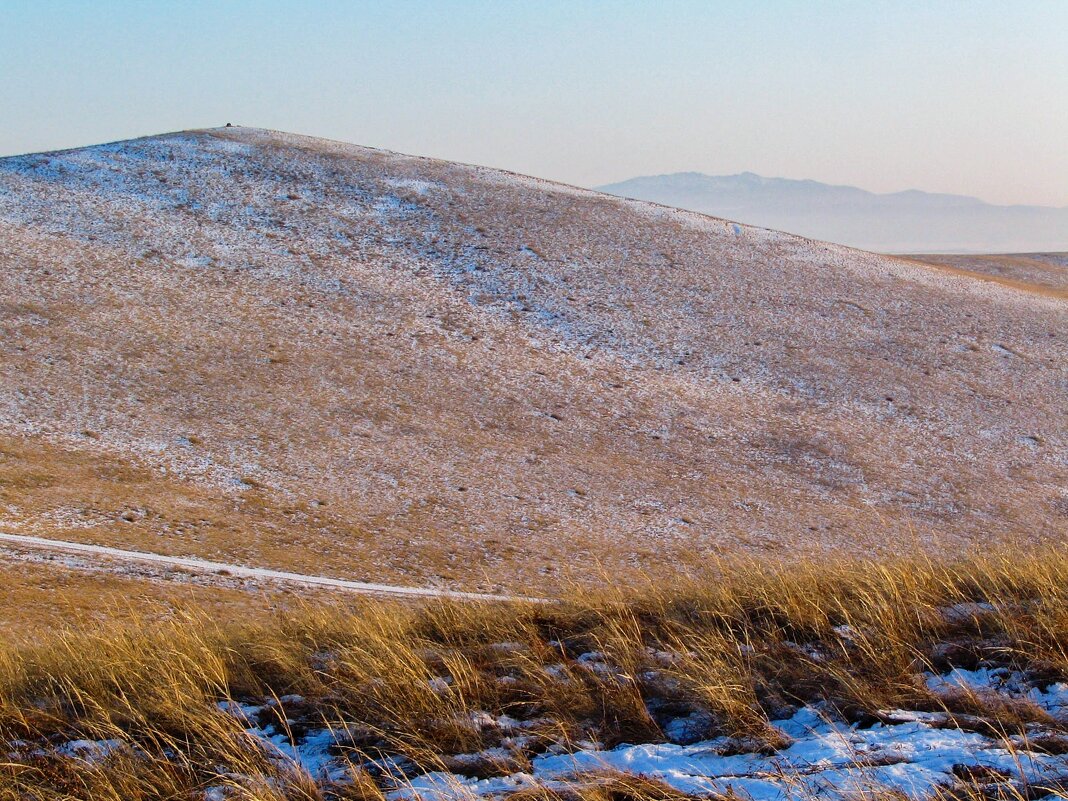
303	353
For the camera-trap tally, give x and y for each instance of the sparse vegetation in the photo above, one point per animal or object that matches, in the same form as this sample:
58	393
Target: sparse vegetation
302	355
152	709
287	319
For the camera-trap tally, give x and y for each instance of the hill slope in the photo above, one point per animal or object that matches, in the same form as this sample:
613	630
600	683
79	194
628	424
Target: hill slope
306	354
899	222
1047	272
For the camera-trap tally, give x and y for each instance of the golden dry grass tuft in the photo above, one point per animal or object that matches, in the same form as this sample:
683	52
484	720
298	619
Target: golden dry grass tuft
742	646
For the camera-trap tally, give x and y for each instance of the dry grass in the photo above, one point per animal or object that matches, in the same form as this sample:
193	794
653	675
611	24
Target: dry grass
1044	273
417	372
743	645
48	595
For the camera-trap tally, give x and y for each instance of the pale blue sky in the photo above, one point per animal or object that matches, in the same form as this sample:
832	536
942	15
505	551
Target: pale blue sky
967	97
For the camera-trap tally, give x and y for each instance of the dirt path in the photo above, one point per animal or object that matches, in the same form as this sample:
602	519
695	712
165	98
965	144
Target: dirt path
222	568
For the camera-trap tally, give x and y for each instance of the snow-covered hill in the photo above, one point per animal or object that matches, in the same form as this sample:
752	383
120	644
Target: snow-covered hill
308	354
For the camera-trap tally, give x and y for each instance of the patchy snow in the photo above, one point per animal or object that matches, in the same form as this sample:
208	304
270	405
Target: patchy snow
912	753
825	759
1004	682
313	755
379	330
91	750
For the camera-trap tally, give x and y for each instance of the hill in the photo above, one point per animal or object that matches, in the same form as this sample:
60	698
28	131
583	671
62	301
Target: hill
899	222
1045	272
247	346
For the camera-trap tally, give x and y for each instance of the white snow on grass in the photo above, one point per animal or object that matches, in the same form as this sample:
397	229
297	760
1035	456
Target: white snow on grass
646	316
911	753
826	759
914	754
1004	682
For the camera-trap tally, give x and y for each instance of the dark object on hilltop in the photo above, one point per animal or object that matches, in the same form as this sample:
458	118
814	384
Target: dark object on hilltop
229	125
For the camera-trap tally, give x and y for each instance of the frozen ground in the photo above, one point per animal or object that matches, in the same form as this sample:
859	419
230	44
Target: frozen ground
1045	271
912	753
825	759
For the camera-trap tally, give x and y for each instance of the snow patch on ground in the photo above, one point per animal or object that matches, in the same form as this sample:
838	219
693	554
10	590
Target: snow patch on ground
1001	681
826	759
913	753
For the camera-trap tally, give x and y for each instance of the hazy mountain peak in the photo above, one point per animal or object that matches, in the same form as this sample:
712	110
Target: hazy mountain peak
897	222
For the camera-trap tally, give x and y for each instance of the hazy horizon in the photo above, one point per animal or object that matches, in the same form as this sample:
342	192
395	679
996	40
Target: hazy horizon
944	98
806	179
900	222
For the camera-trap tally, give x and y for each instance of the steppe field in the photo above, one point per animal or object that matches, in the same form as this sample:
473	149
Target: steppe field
333	473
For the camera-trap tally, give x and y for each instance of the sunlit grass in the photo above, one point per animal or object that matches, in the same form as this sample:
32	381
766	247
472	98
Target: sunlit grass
742	645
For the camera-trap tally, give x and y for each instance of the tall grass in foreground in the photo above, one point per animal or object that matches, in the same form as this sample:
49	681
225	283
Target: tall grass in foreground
741	647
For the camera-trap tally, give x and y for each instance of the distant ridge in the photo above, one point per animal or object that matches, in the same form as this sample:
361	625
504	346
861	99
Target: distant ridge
899	222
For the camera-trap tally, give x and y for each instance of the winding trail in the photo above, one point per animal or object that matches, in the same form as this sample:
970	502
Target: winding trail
206	566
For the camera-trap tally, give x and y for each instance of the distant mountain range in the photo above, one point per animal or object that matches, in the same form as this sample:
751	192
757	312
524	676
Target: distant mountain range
900	222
